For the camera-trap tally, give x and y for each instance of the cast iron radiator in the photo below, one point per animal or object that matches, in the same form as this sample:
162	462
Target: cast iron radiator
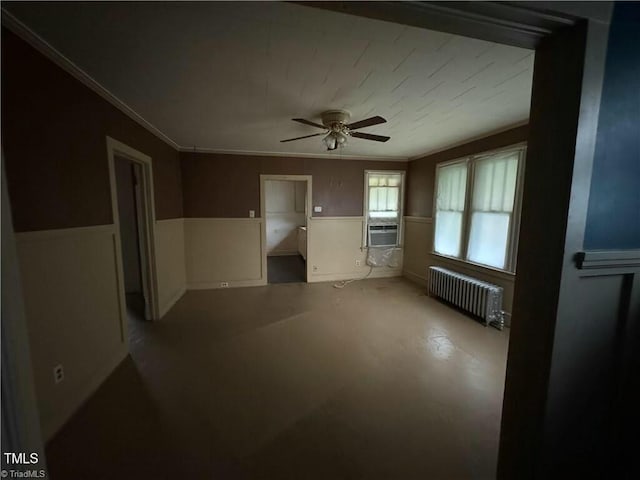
475	296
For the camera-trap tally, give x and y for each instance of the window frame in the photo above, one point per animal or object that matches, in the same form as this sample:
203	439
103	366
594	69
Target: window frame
365	207
514	223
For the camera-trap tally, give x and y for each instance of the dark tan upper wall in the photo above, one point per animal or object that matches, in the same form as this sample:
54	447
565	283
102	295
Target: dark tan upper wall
422	172
218	185
53	138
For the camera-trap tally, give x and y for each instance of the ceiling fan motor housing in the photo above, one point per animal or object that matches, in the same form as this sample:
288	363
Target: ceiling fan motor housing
336	119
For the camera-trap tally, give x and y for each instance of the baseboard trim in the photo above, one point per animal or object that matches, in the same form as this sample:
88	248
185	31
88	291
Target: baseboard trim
54	425
342	219
418	219
415	278
204	220
232	284
333	277
164	309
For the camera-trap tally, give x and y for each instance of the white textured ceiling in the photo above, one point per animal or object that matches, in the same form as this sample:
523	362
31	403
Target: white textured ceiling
229	76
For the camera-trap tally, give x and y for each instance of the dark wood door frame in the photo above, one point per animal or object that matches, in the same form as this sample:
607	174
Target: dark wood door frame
539	438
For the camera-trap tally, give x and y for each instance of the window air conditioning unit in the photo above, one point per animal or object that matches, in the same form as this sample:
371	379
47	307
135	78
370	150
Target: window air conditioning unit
383	235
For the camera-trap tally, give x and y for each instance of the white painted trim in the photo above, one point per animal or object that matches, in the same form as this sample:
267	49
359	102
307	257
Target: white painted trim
222	219
172	301
150	284
291	178
46	49
401	199
263	214
344	219
607	262
232	284
37	235
418	219
338	155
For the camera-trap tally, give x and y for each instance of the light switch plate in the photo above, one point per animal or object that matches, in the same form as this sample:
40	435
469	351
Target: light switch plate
317	209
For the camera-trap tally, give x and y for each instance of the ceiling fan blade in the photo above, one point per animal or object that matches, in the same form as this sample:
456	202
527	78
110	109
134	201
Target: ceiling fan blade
300	138
367	122
370	136
307	122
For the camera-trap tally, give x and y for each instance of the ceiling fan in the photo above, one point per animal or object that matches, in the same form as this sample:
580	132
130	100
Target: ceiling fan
338	130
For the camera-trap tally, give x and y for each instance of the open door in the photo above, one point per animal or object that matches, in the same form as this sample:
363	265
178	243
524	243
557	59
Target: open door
285	206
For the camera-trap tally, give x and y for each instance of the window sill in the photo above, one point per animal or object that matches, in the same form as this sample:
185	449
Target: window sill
495	272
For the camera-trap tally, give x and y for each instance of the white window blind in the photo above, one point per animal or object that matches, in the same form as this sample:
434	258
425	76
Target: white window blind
492	200
384	196
476	215
450	202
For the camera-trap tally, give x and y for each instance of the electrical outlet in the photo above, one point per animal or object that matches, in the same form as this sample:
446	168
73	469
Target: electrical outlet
224	284
252	214
358	263
58	373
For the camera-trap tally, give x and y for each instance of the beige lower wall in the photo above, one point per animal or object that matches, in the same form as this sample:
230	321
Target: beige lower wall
418	246
229	250
71	295
223	250
334	246
170	262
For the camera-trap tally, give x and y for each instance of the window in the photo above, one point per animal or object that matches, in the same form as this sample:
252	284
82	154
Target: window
475	204
383	207
452	187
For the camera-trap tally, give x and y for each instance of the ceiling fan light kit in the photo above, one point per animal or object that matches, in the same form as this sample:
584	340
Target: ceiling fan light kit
338	130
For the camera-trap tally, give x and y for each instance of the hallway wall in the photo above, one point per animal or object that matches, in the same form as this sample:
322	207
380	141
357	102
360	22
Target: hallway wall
54	132
223	245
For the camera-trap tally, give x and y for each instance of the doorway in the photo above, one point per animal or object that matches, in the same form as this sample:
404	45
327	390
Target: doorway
131	179
285	210
130	217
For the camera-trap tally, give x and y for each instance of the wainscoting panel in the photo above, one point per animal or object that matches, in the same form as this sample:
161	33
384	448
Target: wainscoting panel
170	262
418	234
223	250
335	244
69	279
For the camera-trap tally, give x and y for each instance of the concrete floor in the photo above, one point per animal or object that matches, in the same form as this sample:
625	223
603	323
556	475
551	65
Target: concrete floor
296	381
286	269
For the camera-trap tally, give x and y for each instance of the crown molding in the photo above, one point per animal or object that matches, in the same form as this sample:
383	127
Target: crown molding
336	155
604	262
50	52
471	139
